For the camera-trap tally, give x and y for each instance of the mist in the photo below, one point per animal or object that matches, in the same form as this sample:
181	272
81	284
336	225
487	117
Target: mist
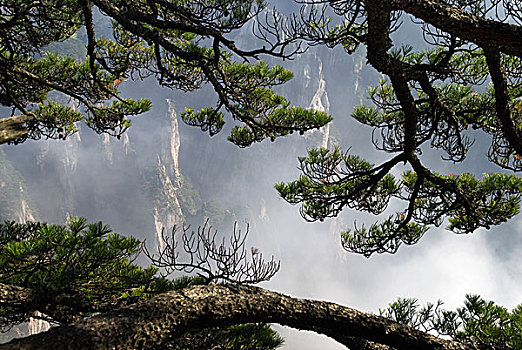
105	179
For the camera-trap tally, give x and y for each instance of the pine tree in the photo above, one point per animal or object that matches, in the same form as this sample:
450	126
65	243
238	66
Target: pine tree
466	76
65	273
182	43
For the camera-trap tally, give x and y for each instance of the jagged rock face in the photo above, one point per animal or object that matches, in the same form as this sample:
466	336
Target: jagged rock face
107	151
101	177
171	142
36	325
57	164
126	144
167	207
15	203
25	213
321	103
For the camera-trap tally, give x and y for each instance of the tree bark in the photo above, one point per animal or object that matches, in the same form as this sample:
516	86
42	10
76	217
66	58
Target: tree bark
502	98
11	295
12	128
465	25
153	322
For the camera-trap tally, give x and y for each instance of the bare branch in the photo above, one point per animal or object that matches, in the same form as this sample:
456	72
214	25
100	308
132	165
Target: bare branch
201	251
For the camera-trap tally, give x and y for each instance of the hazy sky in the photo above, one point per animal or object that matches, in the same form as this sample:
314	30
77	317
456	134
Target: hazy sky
313	265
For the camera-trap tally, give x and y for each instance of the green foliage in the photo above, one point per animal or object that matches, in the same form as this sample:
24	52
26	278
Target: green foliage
279	119
479	323
251	336
35	78
85	266
187	281
29	26
127	55
332	179
385	236
79	269
264	113
208	119
114	116
257	336
214	212
427	98
183	47
489	201
56	120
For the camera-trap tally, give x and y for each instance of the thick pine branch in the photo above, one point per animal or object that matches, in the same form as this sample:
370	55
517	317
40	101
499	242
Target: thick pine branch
463	24
509	129
13	128
153	322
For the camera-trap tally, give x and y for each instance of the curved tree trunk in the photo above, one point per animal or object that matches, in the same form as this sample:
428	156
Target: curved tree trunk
12	128
153	322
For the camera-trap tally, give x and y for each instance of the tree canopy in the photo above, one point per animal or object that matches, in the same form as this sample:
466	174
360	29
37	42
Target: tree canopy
83	279
64	274
181	43
465	77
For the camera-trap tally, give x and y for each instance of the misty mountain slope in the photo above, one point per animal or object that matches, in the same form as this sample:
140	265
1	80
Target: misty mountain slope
15	202
163	172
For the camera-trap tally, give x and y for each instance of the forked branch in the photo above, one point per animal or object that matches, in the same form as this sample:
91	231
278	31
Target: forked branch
216	259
